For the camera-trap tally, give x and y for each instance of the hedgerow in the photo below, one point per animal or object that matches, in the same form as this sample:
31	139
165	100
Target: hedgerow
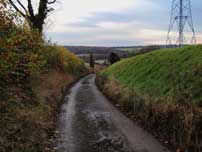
26	121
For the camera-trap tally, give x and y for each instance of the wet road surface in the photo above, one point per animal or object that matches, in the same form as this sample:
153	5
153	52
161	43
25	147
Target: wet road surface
89	123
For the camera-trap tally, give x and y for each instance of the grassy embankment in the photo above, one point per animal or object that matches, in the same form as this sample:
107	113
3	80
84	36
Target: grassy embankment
33	74
162	91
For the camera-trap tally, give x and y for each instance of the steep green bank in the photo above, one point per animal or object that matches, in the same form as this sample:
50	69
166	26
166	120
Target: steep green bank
162	73
161	91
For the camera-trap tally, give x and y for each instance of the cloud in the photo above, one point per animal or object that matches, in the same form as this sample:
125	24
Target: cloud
115	22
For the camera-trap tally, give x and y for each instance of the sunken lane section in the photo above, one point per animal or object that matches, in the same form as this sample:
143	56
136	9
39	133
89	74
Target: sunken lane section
90	123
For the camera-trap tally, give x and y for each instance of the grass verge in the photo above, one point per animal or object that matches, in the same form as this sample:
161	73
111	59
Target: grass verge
162	91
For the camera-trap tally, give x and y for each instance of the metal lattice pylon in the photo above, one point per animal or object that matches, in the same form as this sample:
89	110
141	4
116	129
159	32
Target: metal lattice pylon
181	14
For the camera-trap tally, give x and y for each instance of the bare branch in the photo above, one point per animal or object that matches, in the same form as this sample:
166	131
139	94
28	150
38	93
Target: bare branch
17	9
35	20
51	2
22	6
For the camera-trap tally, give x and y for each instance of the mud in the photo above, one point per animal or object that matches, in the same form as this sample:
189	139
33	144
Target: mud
89	123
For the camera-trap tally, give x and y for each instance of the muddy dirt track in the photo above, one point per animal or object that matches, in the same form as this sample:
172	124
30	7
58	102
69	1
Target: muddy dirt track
89	123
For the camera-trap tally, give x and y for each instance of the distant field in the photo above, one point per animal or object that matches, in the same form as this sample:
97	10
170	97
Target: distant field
161	72
102	53
96	50
129	49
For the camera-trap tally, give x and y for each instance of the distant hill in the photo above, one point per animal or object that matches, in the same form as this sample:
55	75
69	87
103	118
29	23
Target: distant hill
97	50
106	50
102	53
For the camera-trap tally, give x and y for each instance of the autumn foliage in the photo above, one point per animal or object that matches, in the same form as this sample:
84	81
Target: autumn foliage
24	54
26	115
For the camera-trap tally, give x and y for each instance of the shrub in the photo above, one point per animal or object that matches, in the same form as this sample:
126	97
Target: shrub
26	122
60	57
24	55
113	58
20	56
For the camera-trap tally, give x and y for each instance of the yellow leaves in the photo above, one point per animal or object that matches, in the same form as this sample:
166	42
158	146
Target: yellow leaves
60	57
24	54
20	56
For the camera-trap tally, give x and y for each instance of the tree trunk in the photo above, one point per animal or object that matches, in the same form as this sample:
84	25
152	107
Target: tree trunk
36	21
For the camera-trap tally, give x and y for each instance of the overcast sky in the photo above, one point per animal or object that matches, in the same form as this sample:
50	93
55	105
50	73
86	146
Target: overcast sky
114	22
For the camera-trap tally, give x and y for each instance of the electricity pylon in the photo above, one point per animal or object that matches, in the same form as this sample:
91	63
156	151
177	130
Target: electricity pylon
181	15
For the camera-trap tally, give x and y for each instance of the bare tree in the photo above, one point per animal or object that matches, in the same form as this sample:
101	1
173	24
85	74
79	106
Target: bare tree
35	20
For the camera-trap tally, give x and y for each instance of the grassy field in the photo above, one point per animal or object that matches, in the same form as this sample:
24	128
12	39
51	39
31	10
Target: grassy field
161	91
161	72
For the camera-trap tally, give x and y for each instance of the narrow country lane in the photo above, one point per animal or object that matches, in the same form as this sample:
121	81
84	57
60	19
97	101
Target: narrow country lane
89	123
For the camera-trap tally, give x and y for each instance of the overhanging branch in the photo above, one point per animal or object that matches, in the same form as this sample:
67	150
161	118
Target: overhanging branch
22	6
51	2
17	9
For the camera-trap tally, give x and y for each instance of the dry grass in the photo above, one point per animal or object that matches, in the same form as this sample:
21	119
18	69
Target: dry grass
29	128
175	123
97	68
51	83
